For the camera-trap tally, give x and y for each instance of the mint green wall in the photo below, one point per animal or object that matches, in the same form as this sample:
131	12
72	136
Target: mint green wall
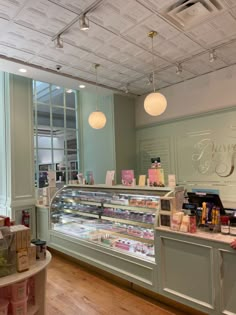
3	160
124	114
97	146
200	150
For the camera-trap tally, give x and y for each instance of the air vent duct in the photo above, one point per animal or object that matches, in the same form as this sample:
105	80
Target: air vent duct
187	13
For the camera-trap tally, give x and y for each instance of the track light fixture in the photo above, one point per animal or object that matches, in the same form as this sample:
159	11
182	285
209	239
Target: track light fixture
83	23
212	56
179	69
58	41
126	88
149	79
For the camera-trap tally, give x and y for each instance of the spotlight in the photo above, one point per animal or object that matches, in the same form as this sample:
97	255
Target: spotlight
22	70
179	69
58	42
212	56
149	82
126	89
83	23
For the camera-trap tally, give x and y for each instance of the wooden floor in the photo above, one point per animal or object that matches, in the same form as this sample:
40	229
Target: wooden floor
73	290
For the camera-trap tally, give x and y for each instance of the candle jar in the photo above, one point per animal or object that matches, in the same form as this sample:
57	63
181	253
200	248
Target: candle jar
224	228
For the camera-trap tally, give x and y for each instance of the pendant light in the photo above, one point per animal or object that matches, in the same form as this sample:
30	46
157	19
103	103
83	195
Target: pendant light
97	119
155	103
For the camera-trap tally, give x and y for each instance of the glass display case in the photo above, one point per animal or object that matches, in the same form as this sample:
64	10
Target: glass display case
119	218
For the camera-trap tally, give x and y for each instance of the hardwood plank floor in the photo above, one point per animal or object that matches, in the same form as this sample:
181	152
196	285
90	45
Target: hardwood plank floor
73	290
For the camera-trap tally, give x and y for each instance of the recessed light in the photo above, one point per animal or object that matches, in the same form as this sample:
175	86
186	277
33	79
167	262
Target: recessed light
69	91
58	87
22	70
82	86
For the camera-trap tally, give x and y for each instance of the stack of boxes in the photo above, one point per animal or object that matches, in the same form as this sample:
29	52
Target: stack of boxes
49	192
25	251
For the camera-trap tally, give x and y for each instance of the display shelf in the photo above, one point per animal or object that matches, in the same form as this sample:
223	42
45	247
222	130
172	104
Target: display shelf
89	203
127	221
16	277
85	214
130	208
128	236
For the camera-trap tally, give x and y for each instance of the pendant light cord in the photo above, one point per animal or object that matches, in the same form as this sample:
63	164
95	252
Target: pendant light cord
96	66
153	74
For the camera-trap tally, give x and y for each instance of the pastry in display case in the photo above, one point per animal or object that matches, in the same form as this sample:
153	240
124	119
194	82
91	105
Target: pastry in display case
121	219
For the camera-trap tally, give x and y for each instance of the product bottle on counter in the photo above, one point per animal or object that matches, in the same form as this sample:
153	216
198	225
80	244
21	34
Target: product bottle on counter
224	228
232	226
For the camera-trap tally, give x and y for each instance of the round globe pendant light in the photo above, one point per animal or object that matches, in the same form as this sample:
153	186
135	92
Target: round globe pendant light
155	103
97	119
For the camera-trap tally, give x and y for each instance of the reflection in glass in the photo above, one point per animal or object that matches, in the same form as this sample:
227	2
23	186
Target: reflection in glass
57	95
43	113
58	117
42	92
70	99
70	119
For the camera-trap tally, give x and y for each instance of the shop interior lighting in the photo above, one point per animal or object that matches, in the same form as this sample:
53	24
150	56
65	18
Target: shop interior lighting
58	42
22	70
179	69
155	103
69	91
97	119
83	23
82	86
212	56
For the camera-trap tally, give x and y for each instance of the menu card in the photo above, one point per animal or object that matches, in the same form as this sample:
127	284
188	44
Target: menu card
127	177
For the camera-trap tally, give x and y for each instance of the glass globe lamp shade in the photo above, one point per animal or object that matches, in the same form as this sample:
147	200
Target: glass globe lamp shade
97	120
155	104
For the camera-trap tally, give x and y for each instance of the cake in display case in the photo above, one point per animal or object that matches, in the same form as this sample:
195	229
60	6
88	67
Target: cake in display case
119	218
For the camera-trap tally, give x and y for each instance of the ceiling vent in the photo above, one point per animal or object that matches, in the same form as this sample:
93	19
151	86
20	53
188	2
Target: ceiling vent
188	13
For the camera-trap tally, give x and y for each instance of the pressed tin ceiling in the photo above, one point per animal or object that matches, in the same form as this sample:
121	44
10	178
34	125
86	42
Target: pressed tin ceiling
189	30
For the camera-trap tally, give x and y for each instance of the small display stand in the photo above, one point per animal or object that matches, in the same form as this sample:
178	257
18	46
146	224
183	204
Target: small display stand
39	272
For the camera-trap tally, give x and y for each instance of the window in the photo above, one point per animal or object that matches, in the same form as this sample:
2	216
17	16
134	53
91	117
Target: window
56	144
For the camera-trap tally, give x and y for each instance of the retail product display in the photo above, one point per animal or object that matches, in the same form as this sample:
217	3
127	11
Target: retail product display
121	220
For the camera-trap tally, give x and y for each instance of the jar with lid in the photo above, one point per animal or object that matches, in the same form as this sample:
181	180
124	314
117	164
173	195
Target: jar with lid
224	227
232	226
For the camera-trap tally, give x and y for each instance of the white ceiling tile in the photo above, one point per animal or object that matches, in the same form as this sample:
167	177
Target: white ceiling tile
233	11
82	39
169	75
227	53
158	5
201	64
8	9
147	58
96	59
19	37
45	63
75	5
119	15
14	53
177	48
44	16
215	31
230	3
139	33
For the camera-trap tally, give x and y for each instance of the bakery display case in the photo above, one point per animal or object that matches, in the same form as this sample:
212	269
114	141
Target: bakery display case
109	227
121	220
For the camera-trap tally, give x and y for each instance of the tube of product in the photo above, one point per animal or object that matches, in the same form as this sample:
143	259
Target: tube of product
204	209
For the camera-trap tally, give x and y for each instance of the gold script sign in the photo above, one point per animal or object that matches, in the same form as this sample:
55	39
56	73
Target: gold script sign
209	157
